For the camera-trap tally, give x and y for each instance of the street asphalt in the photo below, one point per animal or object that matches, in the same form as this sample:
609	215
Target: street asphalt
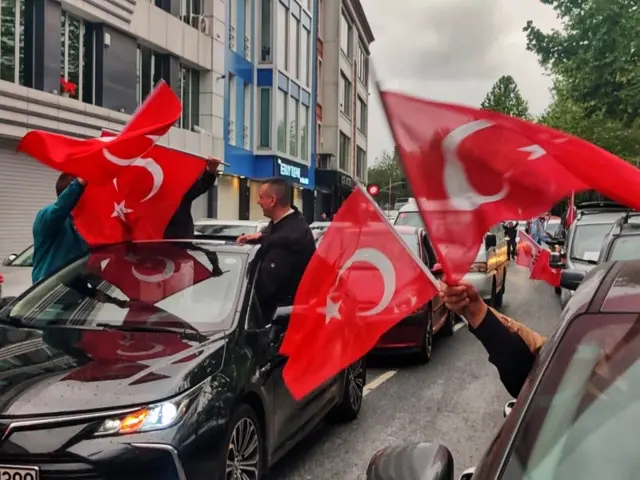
457	399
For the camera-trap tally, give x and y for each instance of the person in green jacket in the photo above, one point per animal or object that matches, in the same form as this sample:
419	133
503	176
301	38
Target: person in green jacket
56	241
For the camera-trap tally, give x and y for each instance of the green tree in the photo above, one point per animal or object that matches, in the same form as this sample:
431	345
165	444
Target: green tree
596	54
505	97
385	171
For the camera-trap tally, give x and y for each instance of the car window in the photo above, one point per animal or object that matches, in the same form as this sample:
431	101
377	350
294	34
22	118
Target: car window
24	259
625	248
225	230
551	226
412	240
411	219
586	407
164	283
587	241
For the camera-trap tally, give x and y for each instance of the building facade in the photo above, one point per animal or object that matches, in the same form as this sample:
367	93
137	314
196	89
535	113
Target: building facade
344	37
114	51
270	80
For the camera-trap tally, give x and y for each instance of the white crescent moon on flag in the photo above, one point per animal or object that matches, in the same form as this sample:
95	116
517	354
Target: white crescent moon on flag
123	162
155	349
169	270
385	267
156	173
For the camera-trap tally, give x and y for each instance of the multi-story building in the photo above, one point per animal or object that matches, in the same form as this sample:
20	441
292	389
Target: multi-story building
270	80
343	94
114	51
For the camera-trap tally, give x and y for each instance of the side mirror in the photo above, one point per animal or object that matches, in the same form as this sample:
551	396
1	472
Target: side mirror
281	317
7	261
555	260
412	461
571	279
490	241
508	407
468	473
437	269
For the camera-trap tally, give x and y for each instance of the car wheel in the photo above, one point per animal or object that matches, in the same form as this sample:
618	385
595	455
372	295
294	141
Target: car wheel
244	454
349	407
426	349
449	324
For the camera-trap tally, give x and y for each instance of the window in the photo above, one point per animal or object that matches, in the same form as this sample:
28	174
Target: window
361	115
345	95
190	97
266	32
304	57
248	24
294	47
281	112
233	106
147	74
283	37
320	18
304	132
319	138
12	41
363	65
71	47
294	119
264	114
345	35
345	148
246	132
361	163
191	12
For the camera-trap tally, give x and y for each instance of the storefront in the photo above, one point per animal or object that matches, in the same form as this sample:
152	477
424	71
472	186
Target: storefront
333	188
298	175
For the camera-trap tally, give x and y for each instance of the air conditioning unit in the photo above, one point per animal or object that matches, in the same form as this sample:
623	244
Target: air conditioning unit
199	22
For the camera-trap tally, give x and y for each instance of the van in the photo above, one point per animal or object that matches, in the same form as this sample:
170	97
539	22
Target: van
488	273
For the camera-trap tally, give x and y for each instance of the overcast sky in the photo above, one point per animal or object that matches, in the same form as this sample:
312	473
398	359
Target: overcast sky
452	50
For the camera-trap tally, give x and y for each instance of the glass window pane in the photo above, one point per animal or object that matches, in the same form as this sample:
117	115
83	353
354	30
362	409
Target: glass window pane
282	121
195	98
283	36
265	118
294	25
293	126
304	133
185	97
146	72
266	31
8	40
63	47
73	53
87	64
21	60
304	57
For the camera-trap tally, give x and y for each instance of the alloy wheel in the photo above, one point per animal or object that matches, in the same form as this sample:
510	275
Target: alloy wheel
355	384
243	454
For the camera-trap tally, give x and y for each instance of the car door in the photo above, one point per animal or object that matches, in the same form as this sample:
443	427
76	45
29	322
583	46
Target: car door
437	305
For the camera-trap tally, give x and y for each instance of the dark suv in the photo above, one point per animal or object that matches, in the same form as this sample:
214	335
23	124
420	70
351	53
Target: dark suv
623	241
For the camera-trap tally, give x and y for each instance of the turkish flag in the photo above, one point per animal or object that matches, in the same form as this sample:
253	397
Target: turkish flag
470	169
534	257
100	160
571	211
104	371
139	203
354	289
527	249
148	272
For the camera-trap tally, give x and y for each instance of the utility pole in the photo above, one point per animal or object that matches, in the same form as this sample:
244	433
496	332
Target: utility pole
389	204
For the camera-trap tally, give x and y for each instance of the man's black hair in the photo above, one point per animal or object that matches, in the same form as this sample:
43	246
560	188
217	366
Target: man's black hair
281	189
63	182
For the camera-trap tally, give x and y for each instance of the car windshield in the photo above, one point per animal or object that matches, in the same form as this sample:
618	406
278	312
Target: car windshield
625	248
411	219
25	259
225	230
582	420
587	241
177	285
551	226
412	241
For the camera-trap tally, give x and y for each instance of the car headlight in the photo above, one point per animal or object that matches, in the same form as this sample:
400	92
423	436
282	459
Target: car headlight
153	417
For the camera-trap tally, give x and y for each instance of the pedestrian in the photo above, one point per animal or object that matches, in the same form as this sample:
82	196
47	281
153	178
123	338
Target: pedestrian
511	231
181	224
537	229
512	347
324	217
287	246
56	242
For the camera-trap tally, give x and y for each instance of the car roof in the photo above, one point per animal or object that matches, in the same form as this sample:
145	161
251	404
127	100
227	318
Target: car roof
213	244
320	224
406	229
599	218
215	221
411	206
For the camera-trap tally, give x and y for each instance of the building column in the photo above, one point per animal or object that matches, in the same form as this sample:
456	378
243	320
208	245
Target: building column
43	23
244	193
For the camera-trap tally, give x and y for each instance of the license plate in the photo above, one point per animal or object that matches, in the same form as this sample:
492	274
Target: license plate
19	473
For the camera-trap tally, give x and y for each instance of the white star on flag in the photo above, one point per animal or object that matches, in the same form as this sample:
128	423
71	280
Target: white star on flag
331	311
536	151
119	210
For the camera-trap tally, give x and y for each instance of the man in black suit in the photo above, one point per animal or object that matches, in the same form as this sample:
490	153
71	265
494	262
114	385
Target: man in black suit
287	246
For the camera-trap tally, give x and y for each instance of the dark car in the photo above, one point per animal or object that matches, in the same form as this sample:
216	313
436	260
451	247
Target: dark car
577	414
153	360
414	334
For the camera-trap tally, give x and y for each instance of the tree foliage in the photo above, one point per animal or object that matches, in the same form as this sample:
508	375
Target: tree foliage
505	97
388	171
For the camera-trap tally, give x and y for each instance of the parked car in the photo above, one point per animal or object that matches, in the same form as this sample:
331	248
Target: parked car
16	271
318	228
414	334
577	415
585	237
228	228
489	271
156	374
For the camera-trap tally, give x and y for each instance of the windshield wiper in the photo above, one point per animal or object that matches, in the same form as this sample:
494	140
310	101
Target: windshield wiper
189	334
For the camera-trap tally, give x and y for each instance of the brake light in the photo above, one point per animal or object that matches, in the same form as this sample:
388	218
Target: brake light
478	267
1	278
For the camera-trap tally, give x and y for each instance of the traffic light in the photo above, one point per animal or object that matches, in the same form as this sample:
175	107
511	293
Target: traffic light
373	189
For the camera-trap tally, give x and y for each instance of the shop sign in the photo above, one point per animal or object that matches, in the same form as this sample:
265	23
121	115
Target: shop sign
292	171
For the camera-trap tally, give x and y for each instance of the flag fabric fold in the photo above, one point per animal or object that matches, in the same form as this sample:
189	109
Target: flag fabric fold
536	259
470	169
354	289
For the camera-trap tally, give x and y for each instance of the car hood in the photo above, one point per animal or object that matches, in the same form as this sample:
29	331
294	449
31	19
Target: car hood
72	370
16	280
582	266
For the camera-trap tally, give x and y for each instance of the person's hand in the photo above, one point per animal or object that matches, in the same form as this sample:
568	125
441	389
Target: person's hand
213	164
81	181
463	299
249	237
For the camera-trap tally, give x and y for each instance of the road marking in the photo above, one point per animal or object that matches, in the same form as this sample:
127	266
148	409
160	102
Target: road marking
379	380
458	326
